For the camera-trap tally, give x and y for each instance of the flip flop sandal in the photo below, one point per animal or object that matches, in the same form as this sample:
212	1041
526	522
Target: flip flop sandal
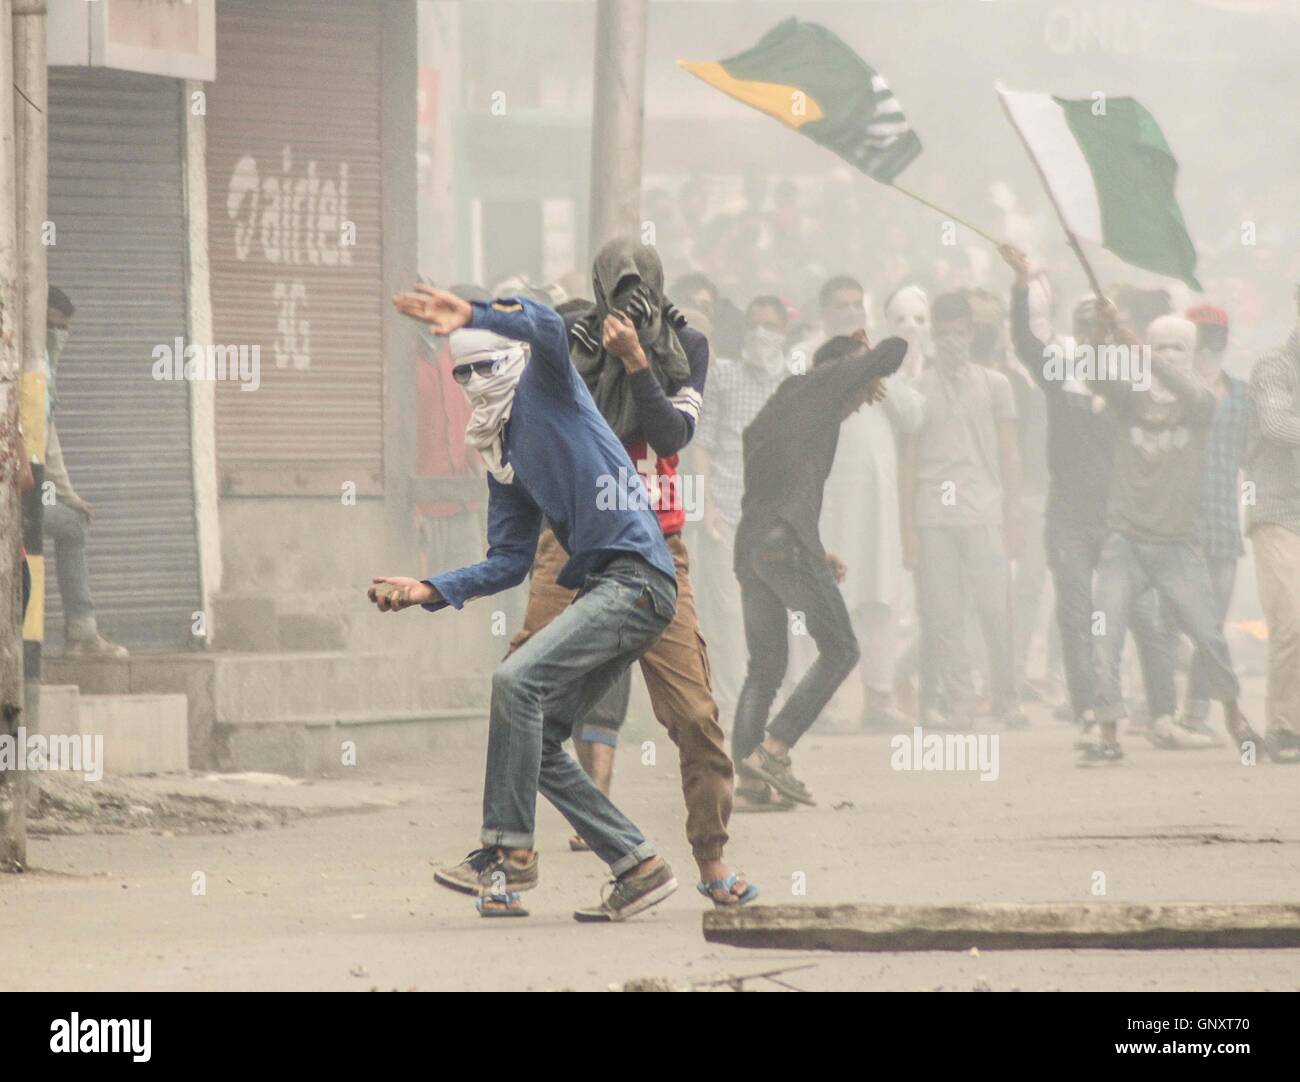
725	885
509	900
778	774
577	845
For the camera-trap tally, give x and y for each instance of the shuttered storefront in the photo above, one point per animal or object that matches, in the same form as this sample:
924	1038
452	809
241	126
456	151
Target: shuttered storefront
294	224
119	252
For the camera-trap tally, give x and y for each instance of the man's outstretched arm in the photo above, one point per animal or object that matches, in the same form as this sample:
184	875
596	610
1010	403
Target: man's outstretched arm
514	524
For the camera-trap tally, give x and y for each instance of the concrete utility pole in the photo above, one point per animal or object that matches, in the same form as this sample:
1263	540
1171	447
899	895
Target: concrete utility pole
618	115
23	287
13	834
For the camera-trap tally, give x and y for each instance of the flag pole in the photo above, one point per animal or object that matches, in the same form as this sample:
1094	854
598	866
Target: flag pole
946	213
1070	238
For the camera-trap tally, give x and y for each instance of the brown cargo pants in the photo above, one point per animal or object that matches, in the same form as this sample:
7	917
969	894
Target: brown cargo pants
676	671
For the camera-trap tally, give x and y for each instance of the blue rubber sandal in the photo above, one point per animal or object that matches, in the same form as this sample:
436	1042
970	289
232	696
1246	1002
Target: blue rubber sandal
725	885
510	900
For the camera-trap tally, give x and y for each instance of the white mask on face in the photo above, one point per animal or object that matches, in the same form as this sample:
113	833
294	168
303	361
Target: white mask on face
491	394
56	338
1173	340
908	316
764	349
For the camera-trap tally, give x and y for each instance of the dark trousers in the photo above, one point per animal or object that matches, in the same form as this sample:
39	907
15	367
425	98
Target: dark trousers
1073	554
784	588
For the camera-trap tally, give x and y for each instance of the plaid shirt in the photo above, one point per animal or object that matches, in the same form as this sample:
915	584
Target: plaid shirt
1273	459
1219	523
737	391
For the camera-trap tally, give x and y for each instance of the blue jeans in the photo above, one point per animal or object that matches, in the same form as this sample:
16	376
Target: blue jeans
1223	577
66	529
1073	553
548	685
1178	573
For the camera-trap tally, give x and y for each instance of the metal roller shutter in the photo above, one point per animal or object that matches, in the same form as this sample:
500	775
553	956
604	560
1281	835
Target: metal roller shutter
294	222
117	203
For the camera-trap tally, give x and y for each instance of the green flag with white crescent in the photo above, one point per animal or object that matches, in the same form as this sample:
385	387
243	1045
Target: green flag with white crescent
1112	174
806	77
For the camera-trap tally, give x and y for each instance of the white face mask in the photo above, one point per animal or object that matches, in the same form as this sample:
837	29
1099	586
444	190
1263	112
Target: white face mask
55	339
1173	340
909	318
491	394
764	348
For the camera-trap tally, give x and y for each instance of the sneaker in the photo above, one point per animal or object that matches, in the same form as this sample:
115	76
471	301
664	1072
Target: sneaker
883	718
488	871
1201	727
776	771
1100	751
629	895
1282	746
1087	731
94	645
1174	736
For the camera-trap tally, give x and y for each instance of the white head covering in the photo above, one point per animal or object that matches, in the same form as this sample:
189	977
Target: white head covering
492	395
907	314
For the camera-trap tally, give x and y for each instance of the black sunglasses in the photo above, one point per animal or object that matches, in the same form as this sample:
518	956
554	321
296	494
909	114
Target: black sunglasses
462	372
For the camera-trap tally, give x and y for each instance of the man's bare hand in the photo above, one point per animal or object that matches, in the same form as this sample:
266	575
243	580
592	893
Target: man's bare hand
444	312
84	509
875	392
618	336
1016	260
838	567
394	594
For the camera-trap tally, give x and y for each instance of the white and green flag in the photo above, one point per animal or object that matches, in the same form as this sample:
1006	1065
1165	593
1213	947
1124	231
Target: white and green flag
1111	174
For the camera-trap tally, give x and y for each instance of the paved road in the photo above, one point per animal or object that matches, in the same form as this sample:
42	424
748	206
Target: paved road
345	900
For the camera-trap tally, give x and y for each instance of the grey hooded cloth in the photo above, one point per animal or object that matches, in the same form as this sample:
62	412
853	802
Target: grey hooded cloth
628	278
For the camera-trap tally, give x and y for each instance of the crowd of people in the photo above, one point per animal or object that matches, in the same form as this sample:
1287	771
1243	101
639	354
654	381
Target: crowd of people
881	508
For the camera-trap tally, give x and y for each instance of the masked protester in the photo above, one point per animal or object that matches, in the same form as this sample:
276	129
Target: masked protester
782	564
738	389
962	521
1218	525
646	370
1273	524
1151	519
67	521
907	315
992	350
860	524
1082	432
550	455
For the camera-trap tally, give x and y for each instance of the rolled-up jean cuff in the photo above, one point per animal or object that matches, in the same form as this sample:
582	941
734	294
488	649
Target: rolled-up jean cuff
506	839
644	851
708	852
598	734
